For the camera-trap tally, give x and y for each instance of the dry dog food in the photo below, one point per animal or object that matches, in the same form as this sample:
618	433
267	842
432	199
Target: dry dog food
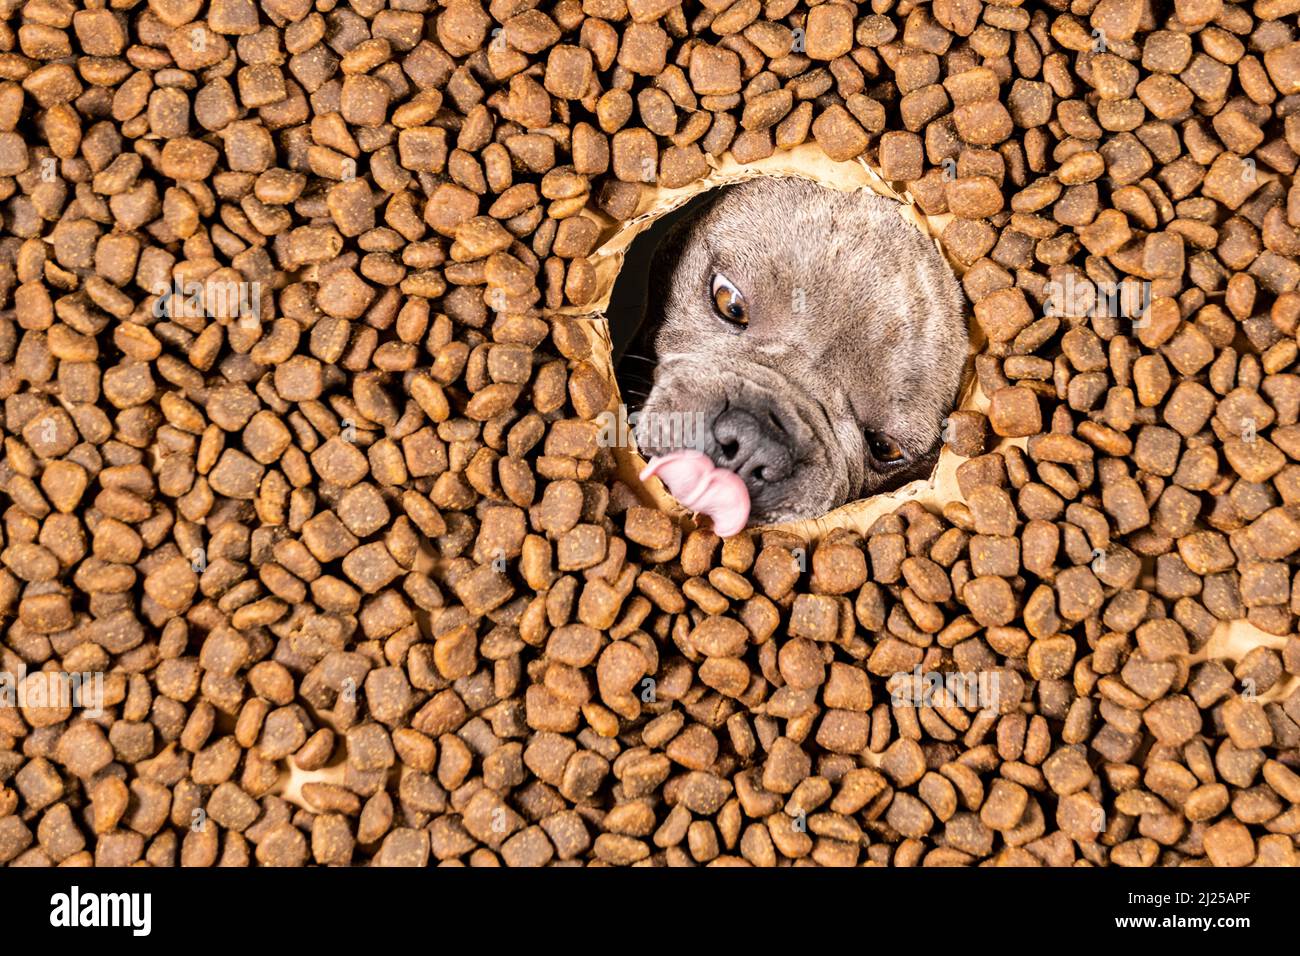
311	552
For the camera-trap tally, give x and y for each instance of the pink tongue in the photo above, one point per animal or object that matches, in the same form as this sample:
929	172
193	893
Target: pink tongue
699	485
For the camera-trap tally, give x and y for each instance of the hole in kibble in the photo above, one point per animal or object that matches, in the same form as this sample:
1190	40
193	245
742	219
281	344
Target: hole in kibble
635	362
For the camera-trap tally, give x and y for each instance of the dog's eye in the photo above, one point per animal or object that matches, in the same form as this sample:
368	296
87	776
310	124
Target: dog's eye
728	300
883	449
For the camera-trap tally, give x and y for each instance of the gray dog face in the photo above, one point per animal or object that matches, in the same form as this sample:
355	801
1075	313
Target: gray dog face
810	340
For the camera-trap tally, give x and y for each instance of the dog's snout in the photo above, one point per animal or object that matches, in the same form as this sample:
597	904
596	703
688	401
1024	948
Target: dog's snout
755	447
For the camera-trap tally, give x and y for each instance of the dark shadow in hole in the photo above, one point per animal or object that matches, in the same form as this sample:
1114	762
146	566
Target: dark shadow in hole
633	359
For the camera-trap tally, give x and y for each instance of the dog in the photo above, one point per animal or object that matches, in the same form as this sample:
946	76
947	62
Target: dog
814	337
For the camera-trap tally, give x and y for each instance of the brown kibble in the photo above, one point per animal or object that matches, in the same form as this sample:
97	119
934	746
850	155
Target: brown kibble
829	31
1229	843
985	123
837	132
990	600
648	527
1014	412
1004	806
900	156
714	71
568	72
346	481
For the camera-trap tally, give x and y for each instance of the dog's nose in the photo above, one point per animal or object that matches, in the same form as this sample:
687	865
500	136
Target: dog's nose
754	448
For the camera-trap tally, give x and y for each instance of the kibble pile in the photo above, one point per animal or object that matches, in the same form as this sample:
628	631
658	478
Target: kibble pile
353	561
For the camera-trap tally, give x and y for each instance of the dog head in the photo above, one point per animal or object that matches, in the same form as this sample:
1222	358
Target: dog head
808	339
